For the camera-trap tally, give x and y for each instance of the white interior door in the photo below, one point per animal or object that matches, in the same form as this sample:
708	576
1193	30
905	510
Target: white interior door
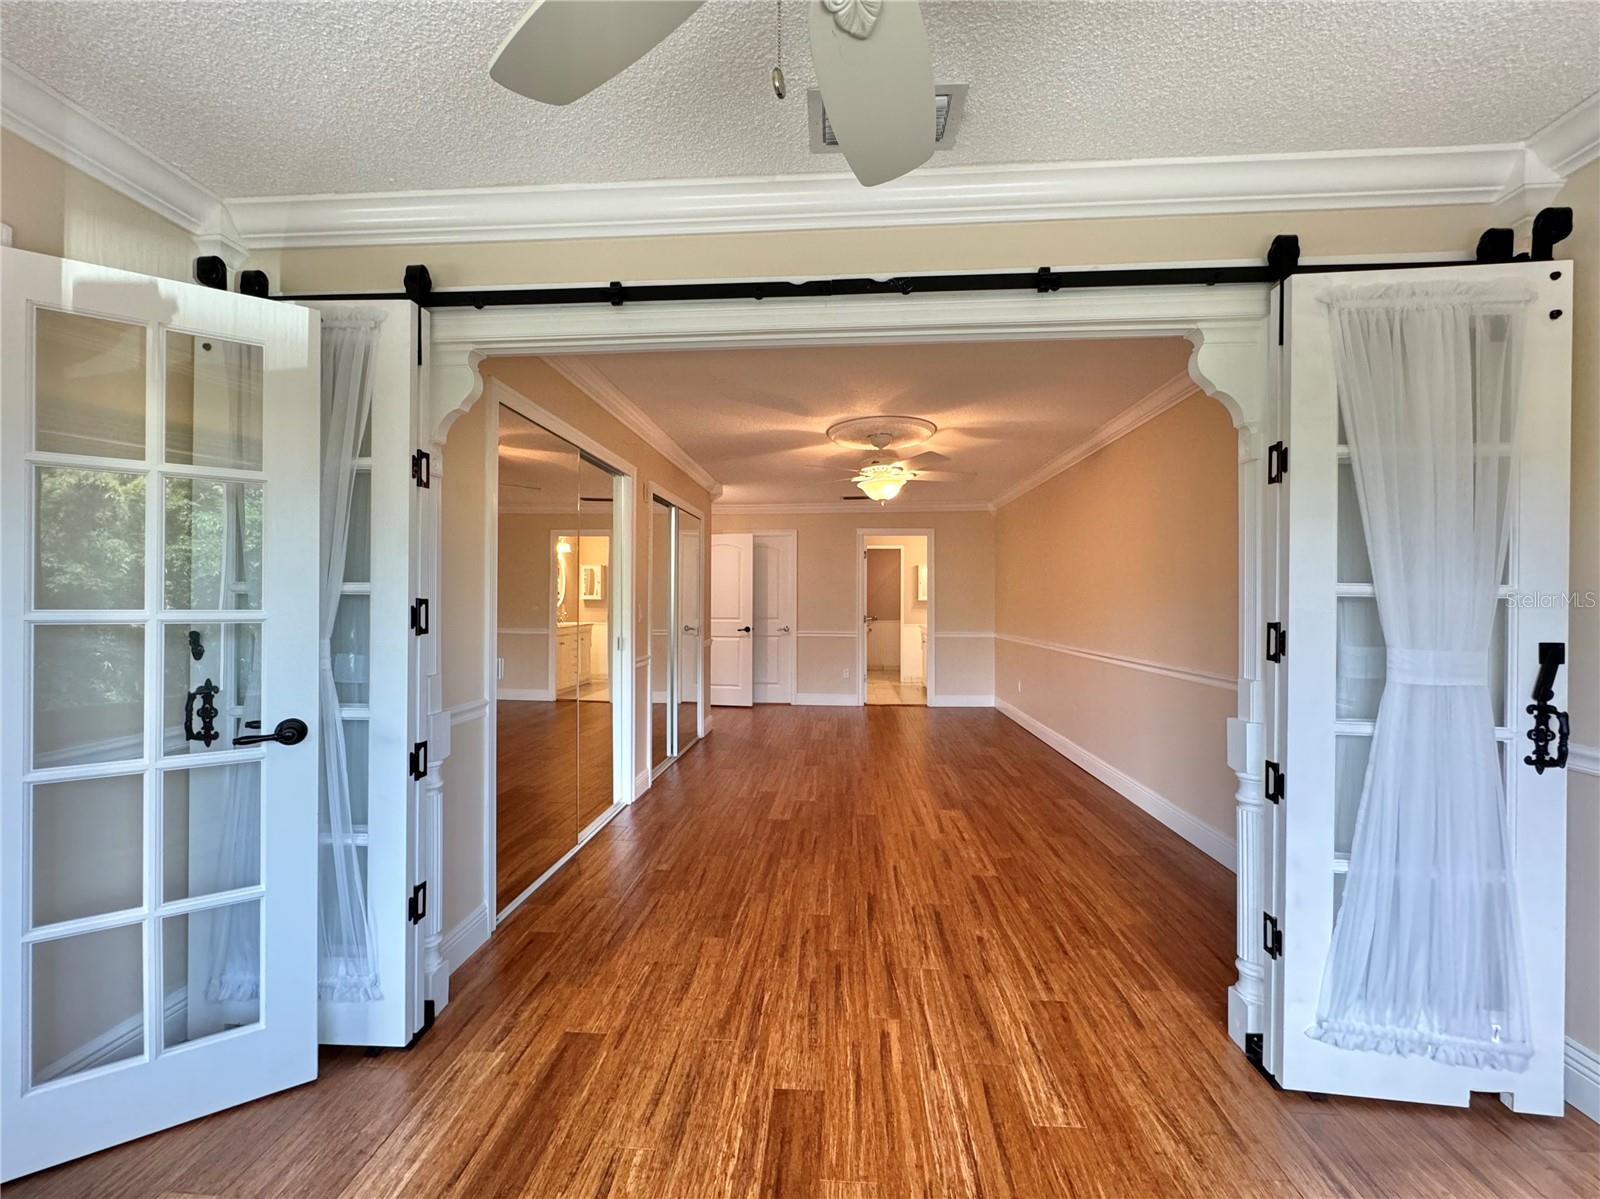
774	624
732	619
158	480
383	622
1330	675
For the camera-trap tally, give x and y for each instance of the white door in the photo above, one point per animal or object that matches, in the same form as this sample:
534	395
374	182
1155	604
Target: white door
159	484
732	619
1329	672
774	624
383	624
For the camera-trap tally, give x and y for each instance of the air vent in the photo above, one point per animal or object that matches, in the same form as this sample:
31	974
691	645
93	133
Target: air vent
949	101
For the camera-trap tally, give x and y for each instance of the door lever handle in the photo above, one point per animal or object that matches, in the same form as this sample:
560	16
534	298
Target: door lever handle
744	628
1552	655
783	628
289	732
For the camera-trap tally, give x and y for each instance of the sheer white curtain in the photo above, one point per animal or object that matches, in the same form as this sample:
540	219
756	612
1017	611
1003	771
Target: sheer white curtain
348	967
1426	957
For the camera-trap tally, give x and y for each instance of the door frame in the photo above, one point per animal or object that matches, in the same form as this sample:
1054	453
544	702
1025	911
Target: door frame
791	543
929	675
1230	327
620	649
643	781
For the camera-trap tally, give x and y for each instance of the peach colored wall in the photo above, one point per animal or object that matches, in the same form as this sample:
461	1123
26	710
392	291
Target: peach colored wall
1131	555
962	580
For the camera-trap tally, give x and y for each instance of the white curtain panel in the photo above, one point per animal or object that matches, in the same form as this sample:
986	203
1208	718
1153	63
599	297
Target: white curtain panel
348	965
1426	957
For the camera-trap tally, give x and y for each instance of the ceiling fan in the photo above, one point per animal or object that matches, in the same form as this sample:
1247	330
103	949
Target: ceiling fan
871	59
882	477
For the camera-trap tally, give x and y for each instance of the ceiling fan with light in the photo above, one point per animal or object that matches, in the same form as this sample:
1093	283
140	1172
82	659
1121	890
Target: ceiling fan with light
871	59
881	477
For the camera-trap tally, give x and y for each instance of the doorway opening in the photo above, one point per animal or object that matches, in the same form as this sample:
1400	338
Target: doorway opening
894	598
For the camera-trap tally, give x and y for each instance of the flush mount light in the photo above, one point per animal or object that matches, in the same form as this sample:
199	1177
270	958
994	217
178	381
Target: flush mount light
882	481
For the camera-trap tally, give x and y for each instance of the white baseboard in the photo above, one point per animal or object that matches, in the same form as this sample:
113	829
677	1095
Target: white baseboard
465	939
825	699
1210	841
961	701
541	695
1583	1079
641	782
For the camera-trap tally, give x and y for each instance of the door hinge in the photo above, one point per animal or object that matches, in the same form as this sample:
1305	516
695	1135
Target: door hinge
419	760
417	905
1277	782
1271	935
1277	462
419	616
422	468
1277	641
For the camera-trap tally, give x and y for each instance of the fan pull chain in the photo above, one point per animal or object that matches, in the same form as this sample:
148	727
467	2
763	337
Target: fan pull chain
779	88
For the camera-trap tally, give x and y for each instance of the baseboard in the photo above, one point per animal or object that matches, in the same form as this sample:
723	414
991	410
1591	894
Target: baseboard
1192	829
824	699
465	939
541	695
641	782
1583	1079
961	701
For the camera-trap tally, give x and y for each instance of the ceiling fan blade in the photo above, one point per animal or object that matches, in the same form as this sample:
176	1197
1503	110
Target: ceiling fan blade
878	89
943	476
926	458
564	49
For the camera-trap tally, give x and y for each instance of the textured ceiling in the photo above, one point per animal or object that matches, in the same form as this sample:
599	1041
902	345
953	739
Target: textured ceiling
265	98
756	418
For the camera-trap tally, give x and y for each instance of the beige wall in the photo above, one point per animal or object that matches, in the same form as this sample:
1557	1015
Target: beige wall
962	590
1130	558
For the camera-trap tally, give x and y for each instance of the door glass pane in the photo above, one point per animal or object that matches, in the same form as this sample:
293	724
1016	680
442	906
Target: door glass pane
1362	661
89	539
213	545
88	847
88	1001
355	760
690	557
1349	776
88	693
358	550
211	830
595	504
211	971
213	402
661	638
1354	566
210	666
351	670
90	383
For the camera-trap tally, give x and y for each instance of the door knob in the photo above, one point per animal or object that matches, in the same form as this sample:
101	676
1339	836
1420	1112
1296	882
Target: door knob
744	628
289	732
783	629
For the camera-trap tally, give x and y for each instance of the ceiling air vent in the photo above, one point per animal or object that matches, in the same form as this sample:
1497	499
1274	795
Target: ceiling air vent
949	100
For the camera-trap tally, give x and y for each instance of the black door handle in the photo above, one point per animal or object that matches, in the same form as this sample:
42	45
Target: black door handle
289	732
206	693
744	629
1552	655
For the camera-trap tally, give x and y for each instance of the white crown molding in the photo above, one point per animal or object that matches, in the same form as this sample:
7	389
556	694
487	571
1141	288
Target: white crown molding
37	113
1572	141
1490	174
1179	387
599	387
861	507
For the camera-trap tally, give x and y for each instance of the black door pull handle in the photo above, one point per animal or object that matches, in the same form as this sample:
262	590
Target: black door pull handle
1552	655
206	693
289	732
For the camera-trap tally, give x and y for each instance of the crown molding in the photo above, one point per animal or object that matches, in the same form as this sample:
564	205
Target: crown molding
37	113
1179	387
860	507
598	386
1572	141
1490	174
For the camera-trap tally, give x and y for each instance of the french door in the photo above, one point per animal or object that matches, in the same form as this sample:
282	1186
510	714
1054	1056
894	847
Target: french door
158	642
1326	674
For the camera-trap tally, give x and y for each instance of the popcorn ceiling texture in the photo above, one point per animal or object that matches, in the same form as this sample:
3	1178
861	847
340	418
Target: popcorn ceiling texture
261	98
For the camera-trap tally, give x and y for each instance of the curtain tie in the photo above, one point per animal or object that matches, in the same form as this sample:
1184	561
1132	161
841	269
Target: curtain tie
1438	667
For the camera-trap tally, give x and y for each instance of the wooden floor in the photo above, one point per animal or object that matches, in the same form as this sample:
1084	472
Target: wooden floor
853	954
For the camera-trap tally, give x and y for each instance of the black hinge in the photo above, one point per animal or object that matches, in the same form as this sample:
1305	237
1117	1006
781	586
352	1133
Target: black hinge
1277	782
1271	935
422	468
419	760
1277	462
1277	641
419	616
417	905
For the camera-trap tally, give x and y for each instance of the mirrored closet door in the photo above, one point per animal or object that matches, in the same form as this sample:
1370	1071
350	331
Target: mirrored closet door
676	557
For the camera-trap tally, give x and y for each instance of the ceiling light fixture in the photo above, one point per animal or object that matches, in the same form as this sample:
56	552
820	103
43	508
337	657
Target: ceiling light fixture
882	481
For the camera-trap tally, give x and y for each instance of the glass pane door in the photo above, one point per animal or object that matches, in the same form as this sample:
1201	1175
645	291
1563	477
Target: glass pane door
160	614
